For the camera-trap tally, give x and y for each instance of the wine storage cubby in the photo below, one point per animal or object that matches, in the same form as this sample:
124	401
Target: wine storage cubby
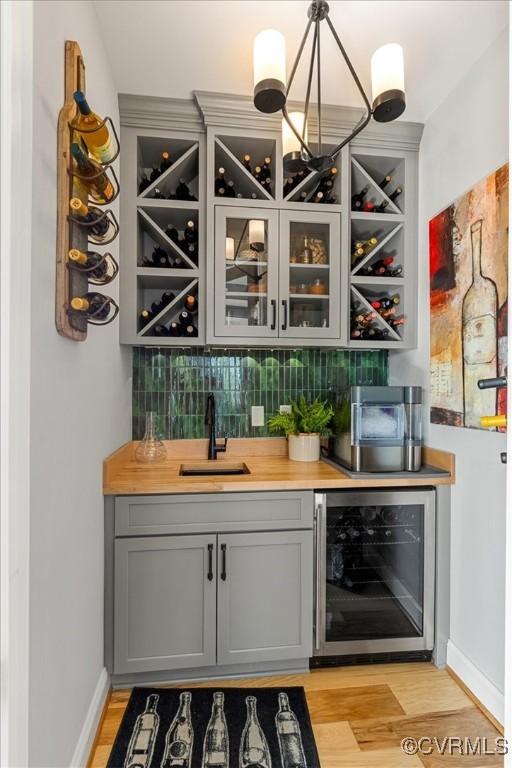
168	169
160	302
382	250
249	167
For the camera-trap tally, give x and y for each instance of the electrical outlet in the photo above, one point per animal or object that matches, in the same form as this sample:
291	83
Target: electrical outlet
258	416
285	409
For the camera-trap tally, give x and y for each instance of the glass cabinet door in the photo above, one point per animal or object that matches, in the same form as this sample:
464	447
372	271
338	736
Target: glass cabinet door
246	272
309	277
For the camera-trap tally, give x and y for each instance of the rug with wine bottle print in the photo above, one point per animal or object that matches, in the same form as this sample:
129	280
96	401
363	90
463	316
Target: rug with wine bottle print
215	728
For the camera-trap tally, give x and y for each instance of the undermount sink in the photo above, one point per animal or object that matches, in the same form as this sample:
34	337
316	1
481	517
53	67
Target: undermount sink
214	468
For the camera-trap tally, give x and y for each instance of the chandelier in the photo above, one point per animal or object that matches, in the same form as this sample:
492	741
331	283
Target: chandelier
271	89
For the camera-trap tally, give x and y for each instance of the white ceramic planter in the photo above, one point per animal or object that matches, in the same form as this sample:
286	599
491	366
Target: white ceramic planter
304	447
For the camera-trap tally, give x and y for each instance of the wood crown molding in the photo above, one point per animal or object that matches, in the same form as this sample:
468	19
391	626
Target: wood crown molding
224	110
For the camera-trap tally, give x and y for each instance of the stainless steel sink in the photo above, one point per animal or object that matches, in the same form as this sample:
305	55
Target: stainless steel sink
206	468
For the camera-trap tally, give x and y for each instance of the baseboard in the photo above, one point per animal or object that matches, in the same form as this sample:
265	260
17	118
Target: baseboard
92	721
491	698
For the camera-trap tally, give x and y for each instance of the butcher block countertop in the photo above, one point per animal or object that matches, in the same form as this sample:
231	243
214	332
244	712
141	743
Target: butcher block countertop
269	466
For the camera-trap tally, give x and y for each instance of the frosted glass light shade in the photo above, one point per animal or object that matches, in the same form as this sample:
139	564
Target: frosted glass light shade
257	234
269	69
290	141
230	248
388	89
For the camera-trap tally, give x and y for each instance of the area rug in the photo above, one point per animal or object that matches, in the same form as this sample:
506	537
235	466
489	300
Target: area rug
215	728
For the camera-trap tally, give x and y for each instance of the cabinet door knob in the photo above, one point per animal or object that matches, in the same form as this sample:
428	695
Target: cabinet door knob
223	571
210	562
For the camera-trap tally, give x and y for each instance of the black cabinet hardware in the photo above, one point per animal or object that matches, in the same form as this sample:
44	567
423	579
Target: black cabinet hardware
285	320
223	571
210	562
273	305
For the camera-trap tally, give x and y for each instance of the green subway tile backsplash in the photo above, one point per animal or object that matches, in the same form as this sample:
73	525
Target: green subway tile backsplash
175	383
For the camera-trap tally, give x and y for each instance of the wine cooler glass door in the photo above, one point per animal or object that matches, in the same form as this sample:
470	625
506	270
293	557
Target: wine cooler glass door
309	275
246	272
375	572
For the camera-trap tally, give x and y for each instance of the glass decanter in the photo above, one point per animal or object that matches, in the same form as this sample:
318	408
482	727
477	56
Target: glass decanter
150	448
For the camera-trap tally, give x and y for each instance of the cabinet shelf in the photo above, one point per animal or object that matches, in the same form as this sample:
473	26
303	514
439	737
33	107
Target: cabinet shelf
310	296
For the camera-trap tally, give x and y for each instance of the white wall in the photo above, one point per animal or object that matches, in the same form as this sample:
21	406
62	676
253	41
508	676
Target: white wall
80	411
464	140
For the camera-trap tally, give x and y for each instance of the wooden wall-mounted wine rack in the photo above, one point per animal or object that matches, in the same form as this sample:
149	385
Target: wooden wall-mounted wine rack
71	281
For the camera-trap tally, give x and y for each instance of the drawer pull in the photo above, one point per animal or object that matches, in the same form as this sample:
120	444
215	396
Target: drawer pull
210	562
223	571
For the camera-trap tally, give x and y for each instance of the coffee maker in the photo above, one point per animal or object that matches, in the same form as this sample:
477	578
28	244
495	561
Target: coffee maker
378	429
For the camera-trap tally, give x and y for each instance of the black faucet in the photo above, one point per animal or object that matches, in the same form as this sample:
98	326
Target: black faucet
209	419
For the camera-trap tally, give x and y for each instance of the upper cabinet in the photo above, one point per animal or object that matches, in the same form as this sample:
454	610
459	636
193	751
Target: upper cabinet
221	246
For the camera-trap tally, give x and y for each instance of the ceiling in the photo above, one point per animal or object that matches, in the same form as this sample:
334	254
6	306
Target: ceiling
173	47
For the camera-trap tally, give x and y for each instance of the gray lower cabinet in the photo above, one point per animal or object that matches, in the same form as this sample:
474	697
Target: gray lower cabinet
264	596
164	603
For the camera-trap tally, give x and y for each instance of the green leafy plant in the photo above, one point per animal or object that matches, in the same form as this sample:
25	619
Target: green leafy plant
341	419
305	418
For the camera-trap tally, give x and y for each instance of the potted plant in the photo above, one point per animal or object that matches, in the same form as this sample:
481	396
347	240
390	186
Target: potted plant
304	425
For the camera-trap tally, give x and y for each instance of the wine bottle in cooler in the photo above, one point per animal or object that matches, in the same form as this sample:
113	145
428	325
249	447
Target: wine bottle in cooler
254	749
289	736
142	742
179	739
216	740
479	336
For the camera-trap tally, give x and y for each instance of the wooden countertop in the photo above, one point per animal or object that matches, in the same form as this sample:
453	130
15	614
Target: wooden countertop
267	460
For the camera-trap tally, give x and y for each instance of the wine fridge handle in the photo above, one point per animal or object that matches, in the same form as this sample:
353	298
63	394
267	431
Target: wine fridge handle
210	562
223	571
285	320
318	535
274	314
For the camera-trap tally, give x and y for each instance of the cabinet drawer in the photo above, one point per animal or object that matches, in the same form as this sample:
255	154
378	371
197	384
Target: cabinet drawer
205	513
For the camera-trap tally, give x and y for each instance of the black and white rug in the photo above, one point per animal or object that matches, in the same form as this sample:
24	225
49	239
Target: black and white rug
215	728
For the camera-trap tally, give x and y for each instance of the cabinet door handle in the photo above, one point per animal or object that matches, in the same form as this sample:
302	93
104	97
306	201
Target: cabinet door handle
285	319
223	571
210	562
274	311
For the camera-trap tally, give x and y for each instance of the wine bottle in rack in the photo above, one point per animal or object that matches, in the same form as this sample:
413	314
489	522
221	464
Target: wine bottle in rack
395	194
183	192
159	258
190	303
93	305
144	183
368	206
190	232
92	176
158	194
145	317
159	330
358	199
174	329
165	161
385	181
97	266
190	331
172	233
90	215
220	182
155	173
96	135
230	189
165	300
185	318
246	162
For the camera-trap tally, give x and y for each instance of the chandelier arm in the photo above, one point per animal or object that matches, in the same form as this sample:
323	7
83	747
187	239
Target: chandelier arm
349	65
295	132
297	58
319	89
359	127
310	81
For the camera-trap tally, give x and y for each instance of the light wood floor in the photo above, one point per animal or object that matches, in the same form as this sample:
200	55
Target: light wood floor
361	714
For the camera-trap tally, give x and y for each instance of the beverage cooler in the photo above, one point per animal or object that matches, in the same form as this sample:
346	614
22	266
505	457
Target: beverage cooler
375	570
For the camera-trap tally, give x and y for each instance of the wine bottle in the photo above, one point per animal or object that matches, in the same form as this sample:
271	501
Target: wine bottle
144	183
479	335
179	739
94	262
182	191
158	194
159	330
90	215
190	232
230	189
358	198
96	181
165	161
216	740
174	329
190	303
385	181
142	741
220	182
144	318
368	206
397	192
159	258
190	331
381	207
155	173
93	305
246	162
172	233
289	736
254	749
96	135
185	317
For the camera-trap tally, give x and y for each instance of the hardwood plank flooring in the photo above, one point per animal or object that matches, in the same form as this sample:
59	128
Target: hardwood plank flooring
361	714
